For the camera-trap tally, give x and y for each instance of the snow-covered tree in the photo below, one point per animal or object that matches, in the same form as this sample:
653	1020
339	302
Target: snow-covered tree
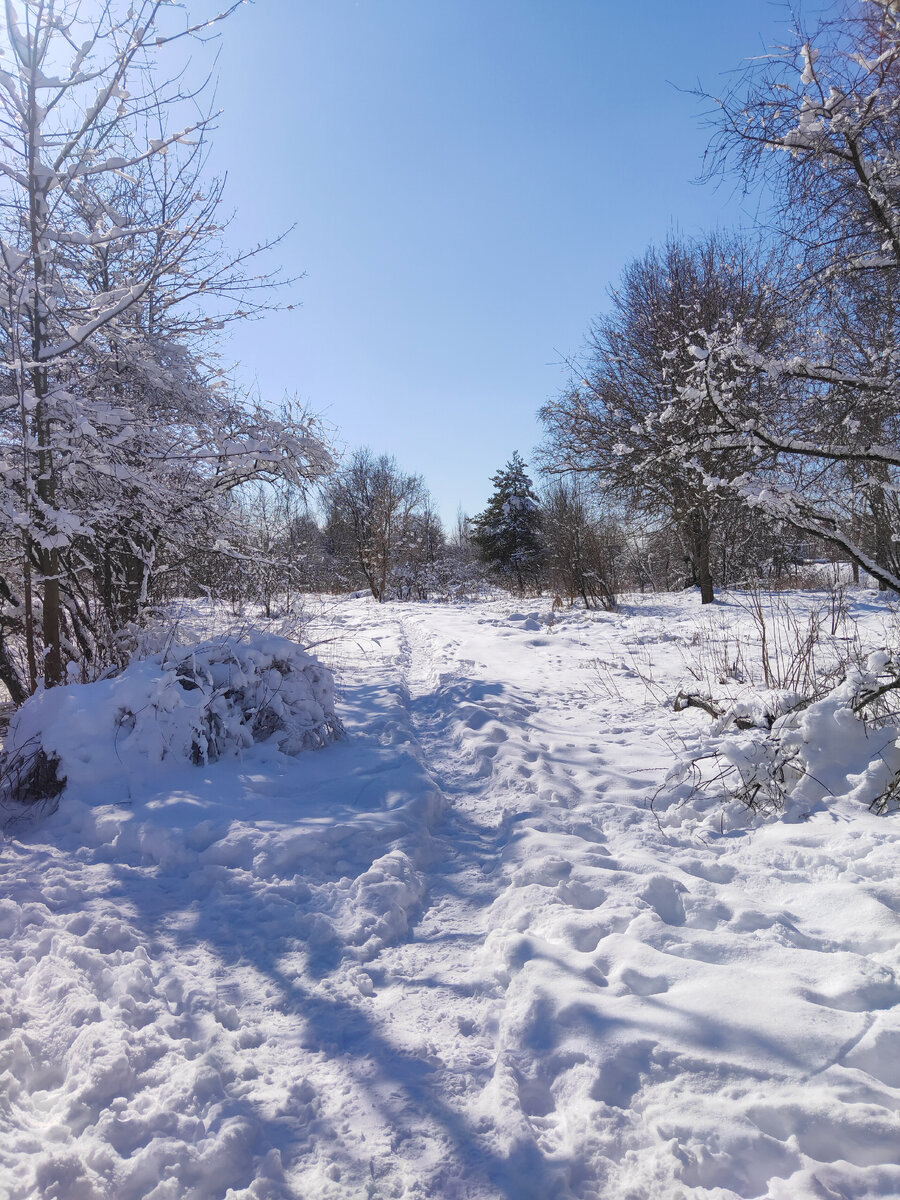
507	533
117	432
820	123
624	421
582	548
421	570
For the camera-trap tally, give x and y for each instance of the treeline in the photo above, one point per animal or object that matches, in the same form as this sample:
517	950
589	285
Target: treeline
374	528
738	404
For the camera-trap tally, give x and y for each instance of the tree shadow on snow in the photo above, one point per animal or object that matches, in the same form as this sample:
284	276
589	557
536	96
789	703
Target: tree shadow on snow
274	930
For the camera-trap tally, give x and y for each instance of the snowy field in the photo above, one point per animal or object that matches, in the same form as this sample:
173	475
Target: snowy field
456	956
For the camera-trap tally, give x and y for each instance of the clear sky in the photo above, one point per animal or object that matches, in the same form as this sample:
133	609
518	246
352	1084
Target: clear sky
467	178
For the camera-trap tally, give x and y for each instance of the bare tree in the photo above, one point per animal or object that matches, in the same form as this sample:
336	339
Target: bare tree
376	516
625	422
820	123
582	548
113	427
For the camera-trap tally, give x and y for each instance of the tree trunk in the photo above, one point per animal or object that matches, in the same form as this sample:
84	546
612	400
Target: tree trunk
707	595
48	559
51	618
9	676
30	652
701	535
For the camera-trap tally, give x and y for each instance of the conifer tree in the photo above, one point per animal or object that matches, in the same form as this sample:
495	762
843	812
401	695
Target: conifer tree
507	533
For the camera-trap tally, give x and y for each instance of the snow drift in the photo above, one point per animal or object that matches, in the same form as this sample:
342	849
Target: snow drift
193	703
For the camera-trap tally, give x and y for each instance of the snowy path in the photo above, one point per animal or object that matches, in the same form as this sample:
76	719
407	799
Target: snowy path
454	957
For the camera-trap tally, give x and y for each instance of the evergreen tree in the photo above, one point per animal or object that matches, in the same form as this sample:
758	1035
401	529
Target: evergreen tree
507	533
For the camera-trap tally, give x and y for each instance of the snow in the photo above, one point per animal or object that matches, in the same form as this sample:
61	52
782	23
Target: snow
456	954
810	56
193	703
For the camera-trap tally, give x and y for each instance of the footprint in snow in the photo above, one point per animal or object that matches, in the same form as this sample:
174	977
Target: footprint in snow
643	985
664	897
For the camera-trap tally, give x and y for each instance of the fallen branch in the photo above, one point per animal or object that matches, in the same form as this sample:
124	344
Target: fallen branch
713	708
689	700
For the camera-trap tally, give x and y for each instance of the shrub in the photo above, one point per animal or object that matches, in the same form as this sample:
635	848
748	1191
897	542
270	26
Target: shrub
189	704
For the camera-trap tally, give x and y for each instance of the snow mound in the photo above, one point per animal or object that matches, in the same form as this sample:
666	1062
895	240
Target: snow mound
194	703
531	622
382	899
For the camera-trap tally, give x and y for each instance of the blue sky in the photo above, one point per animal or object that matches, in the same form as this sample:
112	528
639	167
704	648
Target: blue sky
467	178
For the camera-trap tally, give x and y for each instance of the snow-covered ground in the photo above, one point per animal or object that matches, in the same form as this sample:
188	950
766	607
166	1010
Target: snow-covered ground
457	955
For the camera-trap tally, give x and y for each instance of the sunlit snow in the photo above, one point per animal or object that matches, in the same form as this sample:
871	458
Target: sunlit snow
456	955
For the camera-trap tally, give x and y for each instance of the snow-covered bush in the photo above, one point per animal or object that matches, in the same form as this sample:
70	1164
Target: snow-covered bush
844	744
191	703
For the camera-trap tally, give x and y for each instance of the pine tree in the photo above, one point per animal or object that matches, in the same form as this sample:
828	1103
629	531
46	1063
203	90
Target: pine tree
507	533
